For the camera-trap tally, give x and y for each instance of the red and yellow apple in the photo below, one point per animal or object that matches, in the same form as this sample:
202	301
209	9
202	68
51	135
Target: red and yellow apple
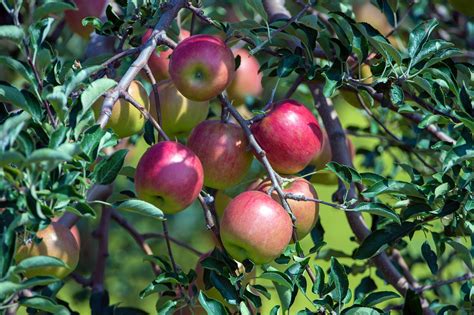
201	67
290	136
179	115
85	8
169	176
306	212
247	80
126	119
255	227
223	150
56	241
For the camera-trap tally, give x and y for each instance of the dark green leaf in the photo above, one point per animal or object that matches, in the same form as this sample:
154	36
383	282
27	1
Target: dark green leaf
107	169
345	173
375	298
389	186
39	261
141	207
412	303
212	307
430	257
44	303
462	251
53	7
378	209
339	277
361	310
11	32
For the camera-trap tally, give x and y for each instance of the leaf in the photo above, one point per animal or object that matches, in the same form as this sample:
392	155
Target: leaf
18	67
430	257
277	277
375	298
212	307
8	287
419	36
339	277
360	310
379	239
53	7
12	95
345	173
11	157
168	308
258	7
39	261
82	209
462	251
389	186
365	286
11	32
49	155
77	78
287	65
107	169
95	90
141	207
44	303
378	209
412	303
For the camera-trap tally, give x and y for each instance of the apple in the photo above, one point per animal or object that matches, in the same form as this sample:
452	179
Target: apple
290	136
247	80
351	96
85	8
74	231
201	67
159	62
463	6
223	150
126	120
169	176
306	212
255	227
179	115
56	241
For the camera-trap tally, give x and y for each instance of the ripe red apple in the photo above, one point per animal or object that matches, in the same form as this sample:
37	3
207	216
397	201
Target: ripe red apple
255	227
85	8
201	67
306	212
179	115
74	231
159	62
223	150
290	136
56	241
247	80
169	176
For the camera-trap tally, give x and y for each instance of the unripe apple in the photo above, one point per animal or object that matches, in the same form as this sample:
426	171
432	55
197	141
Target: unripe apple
201	67
126	120
223	150
370	14
169	176
463	6
290	136
56	241
255	227
74	230
159	62
306	212
351	96
179	115
247	80
85	8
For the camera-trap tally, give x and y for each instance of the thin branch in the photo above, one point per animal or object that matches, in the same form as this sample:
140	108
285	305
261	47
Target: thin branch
174	240
299	197
276	10
85	282
294	86
139	238
102	234
199	13
467	276
156	94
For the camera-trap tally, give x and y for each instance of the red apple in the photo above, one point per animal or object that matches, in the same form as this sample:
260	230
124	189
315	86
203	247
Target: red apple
179	115
290	136
247	80
306	212
74	231
56	241
85	8
201	67
223	150
169	176
159	62
255	227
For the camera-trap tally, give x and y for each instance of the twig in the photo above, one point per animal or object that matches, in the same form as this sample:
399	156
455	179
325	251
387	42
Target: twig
102	234
85	282
199	13
294	86
435	285
139	238
304	198
174	240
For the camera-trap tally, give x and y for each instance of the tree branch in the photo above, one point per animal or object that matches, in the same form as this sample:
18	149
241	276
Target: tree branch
102	234
276	10
467	276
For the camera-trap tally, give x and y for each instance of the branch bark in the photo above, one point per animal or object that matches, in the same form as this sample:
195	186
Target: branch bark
276	10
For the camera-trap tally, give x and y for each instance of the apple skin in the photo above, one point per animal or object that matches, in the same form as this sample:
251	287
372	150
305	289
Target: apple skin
255	227
159	62
85	8
306	212
74	230
57	241
290	136
247	80
126	120
169	176
201	67
223	150
179	115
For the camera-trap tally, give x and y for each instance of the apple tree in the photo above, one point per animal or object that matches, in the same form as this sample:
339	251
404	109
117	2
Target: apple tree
247	127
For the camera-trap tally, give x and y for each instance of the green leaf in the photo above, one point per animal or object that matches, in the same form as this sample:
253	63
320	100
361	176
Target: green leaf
44	303
77	78
379	239
48	155
257	6
107	169
53	7
8	287
168	308
419	36
212	307
339	277
11	157
345	173
141	207
412	303
378	209
287	65
18	67
11	32
39	261
375	298
360	310
95	90
12	95
389	186
430	257
462	251
278	277
82	209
